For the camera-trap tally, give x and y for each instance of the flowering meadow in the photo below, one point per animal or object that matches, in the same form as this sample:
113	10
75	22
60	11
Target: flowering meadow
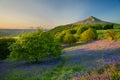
97	60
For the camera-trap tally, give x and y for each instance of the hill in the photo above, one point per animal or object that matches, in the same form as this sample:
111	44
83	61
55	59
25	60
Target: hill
91	21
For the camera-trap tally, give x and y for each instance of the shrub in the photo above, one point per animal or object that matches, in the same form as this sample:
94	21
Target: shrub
101	36
89	35
65	37
81	30
35	46
60	36
77	37
111	34
4	44
118	36
69	38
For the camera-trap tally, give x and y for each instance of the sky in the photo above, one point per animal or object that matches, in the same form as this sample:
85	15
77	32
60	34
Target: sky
23	14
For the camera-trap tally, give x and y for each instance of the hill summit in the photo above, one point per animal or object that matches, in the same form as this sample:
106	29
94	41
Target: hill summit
91	20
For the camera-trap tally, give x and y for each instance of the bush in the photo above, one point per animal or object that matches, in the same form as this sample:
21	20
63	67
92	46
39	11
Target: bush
4	44
60	36
111	34
118	36
89	35
35	46
101	36
77	37
65	37
69	38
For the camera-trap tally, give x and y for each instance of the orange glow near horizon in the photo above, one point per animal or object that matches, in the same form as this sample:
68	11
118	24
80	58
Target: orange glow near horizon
24	14
8	25
13	22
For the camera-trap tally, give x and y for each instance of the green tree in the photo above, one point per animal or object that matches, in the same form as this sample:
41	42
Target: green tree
35	46
89	35
69	38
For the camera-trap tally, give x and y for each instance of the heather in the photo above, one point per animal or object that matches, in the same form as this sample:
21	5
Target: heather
94	60
108	72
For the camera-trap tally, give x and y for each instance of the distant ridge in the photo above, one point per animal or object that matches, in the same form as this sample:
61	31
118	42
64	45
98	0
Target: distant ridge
91	20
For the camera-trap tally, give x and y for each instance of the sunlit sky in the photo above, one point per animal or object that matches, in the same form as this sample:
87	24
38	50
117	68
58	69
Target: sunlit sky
50	13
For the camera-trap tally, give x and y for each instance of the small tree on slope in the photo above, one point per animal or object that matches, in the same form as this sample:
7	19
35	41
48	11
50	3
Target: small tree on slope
69	38
89	35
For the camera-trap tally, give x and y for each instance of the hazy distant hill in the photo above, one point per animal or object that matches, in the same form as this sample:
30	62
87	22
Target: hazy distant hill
14	32
90	21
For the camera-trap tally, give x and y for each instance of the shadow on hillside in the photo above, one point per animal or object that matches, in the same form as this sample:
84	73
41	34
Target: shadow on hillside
52	61
6	67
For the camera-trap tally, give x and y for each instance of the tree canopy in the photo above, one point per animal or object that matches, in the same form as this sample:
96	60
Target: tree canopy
35	46
89	35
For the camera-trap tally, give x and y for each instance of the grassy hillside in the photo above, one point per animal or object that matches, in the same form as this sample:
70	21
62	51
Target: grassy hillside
88	22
